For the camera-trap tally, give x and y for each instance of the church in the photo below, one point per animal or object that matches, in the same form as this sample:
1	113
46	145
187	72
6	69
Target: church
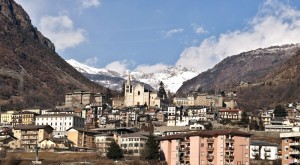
137	94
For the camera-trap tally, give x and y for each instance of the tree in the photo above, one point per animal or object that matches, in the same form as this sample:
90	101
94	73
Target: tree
280	111
114	151
161	91
151	150
253	125
245	119
261	124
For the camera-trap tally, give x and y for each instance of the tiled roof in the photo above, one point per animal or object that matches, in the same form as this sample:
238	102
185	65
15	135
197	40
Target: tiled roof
208	134
32	127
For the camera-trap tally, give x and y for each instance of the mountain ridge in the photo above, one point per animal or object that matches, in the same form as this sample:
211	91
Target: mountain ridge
172	76
31	72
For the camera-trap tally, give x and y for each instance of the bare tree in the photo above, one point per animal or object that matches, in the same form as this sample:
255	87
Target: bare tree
3	154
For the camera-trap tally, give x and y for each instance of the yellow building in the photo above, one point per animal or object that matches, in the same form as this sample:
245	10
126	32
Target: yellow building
60	143
6	117
23	118
209	100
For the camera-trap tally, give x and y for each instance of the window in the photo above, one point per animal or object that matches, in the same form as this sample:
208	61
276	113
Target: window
286	156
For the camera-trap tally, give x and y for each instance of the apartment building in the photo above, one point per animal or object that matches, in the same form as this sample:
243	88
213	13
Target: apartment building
227	147
6	117
29	136
232	114
133	143
290	148
60	122
82	138
23	118
263	150
103	141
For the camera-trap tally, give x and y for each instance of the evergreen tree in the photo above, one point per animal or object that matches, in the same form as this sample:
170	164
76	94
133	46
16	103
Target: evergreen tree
161	91
253	125
280	111
261	124
123	88
151	150
244	119
114	151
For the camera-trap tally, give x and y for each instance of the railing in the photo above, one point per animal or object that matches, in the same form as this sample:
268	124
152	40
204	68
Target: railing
295	144
229	140
229	157
229	148
210	157
210	140
255	149
267	150
210	148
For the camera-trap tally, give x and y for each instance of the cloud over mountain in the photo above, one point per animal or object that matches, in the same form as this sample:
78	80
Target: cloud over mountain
275	24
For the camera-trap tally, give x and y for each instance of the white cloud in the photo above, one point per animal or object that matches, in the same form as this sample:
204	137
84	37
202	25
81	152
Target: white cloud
118	66
89	3
170	33
199	29
61	31
275	24
151	68
91	61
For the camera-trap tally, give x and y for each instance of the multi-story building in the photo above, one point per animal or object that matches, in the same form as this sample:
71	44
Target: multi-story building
103	141
81	97
29	136
171	113
6	117
182	101
290	144
133	143
266	118
60	122
82	138
197	112
23	118
227	147
232	114
209	100
263	150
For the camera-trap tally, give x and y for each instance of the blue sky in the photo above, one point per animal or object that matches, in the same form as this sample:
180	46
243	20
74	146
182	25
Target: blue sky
149	35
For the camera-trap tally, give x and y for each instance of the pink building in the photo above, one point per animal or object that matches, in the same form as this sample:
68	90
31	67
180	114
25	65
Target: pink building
224	147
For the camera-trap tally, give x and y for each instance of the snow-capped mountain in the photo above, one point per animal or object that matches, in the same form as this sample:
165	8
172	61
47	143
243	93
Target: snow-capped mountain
172	77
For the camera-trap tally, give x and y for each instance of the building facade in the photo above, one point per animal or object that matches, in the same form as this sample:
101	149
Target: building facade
290	144
60	122
228	147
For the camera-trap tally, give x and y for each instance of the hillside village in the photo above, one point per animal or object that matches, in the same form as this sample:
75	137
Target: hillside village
208	125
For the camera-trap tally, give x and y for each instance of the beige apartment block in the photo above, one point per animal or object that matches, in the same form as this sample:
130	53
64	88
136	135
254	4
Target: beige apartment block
290	148
29	136
81	137
209	100
224	147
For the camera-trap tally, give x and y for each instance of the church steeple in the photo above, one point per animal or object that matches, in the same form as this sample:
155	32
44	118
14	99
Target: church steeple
128	79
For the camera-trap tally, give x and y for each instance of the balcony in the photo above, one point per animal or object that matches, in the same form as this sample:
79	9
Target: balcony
294	152
230	157
229	140
229	163
255	148
210	163
229	148
210	140
210	148
267	154
210	157
294	161
295	144
267	150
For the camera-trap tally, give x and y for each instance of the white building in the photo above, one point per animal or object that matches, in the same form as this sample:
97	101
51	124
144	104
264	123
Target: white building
133	143
264	150
60	122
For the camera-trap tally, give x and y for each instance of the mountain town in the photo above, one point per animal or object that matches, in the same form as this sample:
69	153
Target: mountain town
244	110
